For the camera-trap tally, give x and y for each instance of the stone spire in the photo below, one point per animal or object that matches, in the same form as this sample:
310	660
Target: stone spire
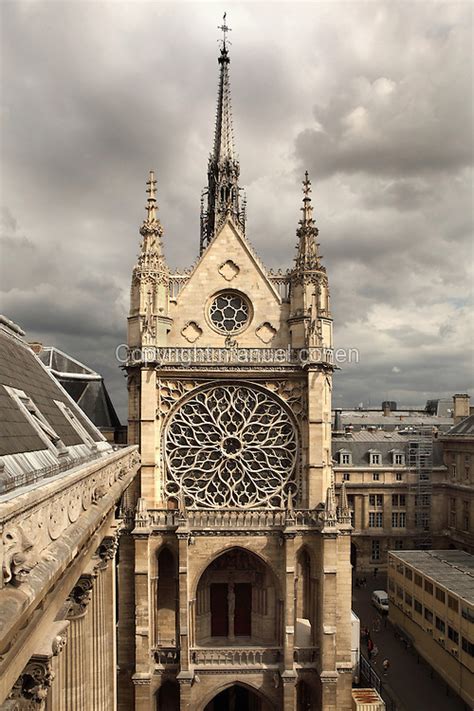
330	507
151	254
344	510
223	199
307	257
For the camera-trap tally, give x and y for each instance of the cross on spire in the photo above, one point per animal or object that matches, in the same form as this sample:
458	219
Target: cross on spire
225	29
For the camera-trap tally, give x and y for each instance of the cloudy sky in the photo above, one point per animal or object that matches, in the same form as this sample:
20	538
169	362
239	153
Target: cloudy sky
374	98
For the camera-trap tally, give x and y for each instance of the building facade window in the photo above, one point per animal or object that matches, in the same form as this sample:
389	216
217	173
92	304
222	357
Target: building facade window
375	458
398	544
408	599
418	580
345	458
398	476
439	624
398	519
418	606
376	476
375	519
346	476
376	500
428	615
440	595
398	501
375	550
453	635
428	587
465	516
468	646
452	513
453	604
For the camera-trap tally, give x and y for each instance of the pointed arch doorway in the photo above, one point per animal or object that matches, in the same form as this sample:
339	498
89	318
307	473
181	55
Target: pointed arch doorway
238	698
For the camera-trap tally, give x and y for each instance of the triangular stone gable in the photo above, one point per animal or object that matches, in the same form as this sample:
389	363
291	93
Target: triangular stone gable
228	264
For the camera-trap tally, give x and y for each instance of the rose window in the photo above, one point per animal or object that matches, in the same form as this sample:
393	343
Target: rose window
229	312
231	446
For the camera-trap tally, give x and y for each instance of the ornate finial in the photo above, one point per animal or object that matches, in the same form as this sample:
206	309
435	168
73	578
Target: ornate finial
307	258
225	29
344	510
151	191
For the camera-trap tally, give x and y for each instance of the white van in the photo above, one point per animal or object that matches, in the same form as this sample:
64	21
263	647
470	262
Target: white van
380	600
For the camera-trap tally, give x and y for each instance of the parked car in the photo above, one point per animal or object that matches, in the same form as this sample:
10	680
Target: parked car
380	600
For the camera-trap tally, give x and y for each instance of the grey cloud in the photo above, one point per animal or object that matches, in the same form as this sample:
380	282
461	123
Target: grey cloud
374	103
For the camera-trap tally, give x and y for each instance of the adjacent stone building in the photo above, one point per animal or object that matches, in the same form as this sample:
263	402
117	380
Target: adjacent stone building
60	486
235	576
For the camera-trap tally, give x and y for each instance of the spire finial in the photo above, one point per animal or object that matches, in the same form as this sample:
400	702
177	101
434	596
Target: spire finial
225	29
223	198
151	192
307	207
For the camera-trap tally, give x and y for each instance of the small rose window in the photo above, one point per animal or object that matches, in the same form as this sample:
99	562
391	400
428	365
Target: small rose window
229	313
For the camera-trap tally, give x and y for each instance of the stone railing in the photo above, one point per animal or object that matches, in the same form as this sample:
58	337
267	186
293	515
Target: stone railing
236	656
234	519
166	656
305	655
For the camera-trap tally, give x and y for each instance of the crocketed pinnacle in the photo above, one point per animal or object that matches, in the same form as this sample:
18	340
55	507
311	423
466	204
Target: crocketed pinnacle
307	258
223	192
151	255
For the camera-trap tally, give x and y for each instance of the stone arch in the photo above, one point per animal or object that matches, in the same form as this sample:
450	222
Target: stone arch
237	600
226	549
263	702
165	597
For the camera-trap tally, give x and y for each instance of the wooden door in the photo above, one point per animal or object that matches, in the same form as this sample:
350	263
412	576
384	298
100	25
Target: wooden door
219	610
243	610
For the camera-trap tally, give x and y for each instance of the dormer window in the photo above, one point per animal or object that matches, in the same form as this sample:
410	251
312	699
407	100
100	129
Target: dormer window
375	458
74	421
44	430
345	457
398	457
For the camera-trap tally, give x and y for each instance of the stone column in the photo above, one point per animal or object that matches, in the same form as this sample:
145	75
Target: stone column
108	648
328	618
77	673
183	537
289	611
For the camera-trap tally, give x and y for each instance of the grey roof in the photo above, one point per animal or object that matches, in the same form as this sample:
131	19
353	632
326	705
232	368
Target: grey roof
360	443
23	448
83	384
465	428
453	569
396	420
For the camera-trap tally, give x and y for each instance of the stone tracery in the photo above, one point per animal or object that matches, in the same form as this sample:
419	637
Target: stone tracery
231	446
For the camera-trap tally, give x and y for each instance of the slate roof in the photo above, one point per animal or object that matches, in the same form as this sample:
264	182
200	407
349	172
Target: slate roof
453	569
465	428
359	443
22	370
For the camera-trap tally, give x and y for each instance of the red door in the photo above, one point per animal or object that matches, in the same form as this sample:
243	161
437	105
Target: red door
219	610
243	610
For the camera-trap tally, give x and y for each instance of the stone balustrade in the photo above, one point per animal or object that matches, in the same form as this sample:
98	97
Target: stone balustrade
305	655
233	519
166	656
236	657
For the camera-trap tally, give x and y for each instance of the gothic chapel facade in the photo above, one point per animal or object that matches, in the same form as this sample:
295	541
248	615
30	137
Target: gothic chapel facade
234	568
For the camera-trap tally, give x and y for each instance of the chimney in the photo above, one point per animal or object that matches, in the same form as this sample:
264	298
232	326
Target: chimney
338	421
460	407
36	347
386	409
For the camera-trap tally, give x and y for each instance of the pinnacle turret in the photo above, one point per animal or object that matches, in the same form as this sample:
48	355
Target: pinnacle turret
151	253
307	258
223	192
